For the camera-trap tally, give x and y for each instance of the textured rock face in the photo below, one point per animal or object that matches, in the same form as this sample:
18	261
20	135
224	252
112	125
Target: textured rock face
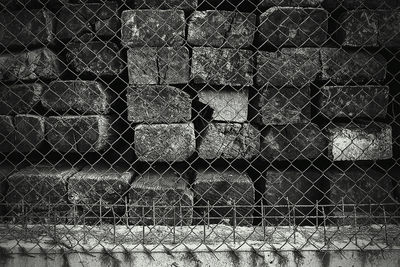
74	20
288	67
160	198
292	142
79	133
165	65
221	29
222	190
164	142
222	66
228	105
286	3
26	28
158	104
293	26
19	98
40	187
354	101
95	58
86	97
351	142
187	5
29	132
284	105
389	33
7	134
29	66
91	185
229	141
153	27
340	66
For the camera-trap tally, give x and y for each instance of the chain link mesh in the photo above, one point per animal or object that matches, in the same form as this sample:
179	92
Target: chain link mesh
271	123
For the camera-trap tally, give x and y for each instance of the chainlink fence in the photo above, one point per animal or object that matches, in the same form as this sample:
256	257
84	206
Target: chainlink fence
272	123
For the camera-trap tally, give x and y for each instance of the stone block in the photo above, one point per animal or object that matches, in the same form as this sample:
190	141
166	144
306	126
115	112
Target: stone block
292	142
287	3
389	33
164	142
354	101
294	26
218	192
7	134
288	67
29	132
367	141
85	97
158	104
186	5
19	98
229	141
80	134
154	28
221	29
228	105
160	198
226	66
29	66
164	65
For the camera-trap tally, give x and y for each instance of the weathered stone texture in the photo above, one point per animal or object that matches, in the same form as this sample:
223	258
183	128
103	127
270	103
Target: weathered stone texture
164	142
29	66
288	67
26	28
222	190
228	105
292	142
153	27
284	105
158	104
229	141
222	66
7	134
354	101
187	5
341	66
86	97
19	98
352	142
79	133
29	132
165	65
160	198
294	26
364	4
389	32
40	187
287	3
221	29
75	20
95	58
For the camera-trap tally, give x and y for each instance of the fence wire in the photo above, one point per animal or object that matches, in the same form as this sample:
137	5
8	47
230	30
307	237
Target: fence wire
271	123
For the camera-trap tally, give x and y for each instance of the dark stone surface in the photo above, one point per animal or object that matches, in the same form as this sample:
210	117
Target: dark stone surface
29	66
164	142
7	134
165	65
158	104
291	187
162	198
284	105
222	66
340	66
86	97
287	3
26	28
366	141
389	32
39	187
186	5
154	28
221	29
288	67
364	4
5	171
74	20
293	26
221	190
354	101
29	132
79	133
229	141
19	98
292	142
